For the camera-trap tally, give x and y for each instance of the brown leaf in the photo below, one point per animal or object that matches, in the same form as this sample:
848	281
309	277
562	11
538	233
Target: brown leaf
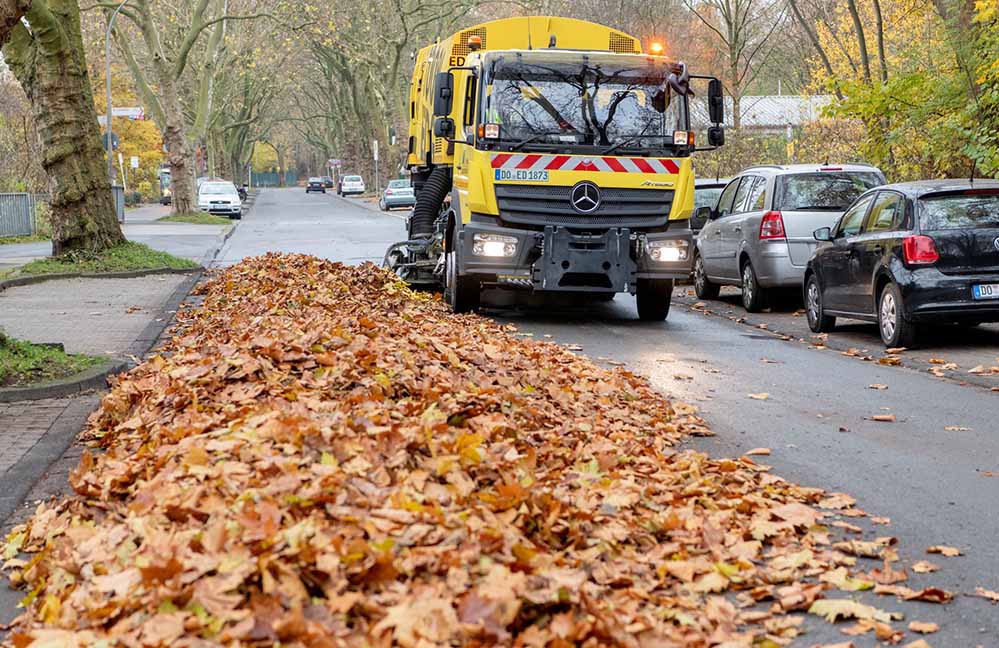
923	627
950	552
987	594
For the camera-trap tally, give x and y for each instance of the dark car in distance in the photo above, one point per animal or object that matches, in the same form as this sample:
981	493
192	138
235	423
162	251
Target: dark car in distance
328	182
315	184
906	255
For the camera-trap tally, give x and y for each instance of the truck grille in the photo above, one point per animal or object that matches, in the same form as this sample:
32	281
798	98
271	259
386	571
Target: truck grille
546	205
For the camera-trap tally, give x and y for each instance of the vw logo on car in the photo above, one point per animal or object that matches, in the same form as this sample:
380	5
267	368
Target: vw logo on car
585	197
995	243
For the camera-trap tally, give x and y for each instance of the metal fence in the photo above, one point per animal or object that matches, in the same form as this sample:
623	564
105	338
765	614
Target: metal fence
17	214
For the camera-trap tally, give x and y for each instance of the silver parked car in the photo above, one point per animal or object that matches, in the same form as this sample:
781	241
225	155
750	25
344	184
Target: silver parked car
759	235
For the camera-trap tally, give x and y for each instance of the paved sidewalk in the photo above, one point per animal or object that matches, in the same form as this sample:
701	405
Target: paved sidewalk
101	317
141	225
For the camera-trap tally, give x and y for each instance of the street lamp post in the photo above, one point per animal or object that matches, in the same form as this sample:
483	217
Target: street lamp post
107	61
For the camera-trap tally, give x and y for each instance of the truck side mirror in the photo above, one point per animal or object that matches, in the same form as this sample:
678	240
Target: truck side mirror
443	94
444	127
716	136
716	101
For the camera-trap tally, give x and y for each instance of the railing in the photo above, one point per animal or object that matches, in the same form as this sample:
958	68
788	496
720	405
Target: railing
18	211
17	214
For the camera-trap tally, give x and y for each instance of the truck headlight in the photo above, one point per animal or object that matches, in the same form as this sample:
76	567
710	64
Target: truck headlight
668	251
494	245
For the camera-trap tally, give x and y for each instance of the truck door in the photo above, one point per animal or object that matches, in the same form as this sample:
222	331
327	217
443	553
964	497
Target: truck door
464	131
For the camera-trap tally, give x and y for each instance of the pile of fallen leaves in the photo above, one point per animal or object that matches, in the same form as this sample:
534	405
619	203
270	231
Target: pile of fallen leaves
321	457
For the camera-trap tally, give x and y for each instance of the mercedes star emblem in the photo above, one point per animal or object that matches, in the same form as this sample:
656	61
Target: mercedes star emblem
585	197
996	243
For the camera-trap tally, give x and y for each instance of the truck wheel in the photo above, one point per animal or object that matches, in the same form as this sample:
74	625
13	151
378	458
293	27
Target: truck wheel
653	298
461	293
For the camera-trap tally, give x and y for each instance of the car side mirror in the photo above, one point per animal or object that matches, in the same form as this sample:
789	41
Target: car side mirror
443	94
823	234
444	127
704	214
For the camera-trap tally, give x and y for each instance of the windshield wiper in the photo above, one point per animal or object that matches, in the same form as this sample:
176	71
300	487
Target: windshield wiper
632	140
533	138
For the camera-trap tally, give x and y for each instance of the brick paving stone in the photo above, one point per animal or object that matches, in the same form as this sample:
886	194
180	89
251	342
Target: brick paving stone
101	317
23	424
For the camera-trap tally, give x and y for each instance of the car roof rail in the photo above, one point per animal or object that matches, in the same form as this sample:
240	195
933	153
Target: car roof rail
764	166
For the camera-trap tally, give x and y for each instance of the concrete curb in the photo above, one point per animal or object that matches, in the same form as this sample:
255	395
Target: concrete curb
130	274
211	255
372	207
164	317
93	378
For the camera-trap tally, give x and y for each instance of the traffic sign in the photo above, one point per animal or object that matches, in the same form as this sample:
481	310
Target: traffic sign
115	141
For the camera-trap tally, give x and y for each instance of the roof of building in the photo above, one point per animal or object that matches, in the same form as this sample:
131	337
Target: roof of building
769	111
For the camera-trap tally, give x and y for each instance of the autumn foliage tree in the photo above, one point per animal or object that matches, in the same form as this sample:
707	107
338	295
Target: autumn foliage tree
45	52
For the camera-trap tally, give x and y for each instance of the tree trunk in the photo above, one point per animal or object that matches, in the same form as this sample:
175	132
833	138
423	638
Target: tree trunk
281	171
49	62
879	23
10	15
865	58
178	151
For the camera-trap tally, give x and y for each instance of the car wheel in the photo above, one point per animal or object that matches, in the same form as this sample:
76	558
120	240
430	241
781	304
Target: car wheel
818	321
895	329
754	296
382	206
653	299
461	293
703	287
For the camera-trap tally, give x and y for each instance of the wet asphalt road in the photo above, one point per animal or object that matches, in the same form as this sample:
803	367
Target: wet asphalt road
938	486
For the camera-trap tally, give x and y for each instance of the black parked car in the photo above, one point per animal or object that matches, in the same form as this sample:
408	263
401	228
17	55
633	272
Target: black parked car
908	254
315	184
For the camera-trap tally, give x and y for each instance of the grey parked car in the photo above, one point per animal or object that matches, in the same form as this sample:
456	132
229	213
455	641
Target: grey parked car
398	193
759	235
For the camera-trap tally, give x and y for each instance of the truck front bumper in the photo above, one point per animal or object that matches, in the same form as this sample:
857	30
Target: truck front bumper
560	259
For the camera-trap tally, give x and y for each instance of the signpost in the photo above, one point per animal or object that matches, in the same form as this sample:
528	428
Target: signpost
374	146
121	165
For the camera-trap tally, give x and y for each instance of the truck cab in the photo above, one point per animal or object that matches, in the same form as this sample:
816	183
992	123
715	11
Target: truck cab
557	168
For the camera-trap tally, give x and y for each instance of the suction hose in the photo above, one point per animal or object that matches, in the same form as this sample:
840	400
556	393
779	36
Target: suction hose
429	201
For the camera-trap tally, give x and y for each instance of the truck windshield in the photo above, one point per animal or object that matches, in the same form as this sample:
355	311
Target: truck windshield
591	102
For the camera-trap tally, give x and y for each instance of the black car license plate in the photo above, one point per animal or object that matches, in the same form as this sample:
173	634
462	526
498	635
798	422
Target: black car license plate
985	291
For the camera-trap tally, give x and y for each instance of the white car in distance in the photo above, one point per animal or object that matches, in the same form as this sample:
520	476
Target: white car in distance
220	198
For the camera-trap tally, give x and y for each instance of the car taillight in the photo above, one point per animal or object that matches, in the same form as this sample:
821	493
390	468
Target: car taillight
388	192
920	250
772	226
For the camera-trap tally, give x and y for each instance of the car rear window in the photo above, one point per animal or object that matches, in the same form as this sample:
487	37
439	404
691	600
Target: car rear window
959	211
399	184
352	178
824	190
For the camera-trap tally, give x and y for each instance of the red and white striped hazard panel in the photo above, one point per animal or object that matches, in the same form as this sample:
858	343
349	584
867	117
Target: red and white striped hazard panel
537	162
